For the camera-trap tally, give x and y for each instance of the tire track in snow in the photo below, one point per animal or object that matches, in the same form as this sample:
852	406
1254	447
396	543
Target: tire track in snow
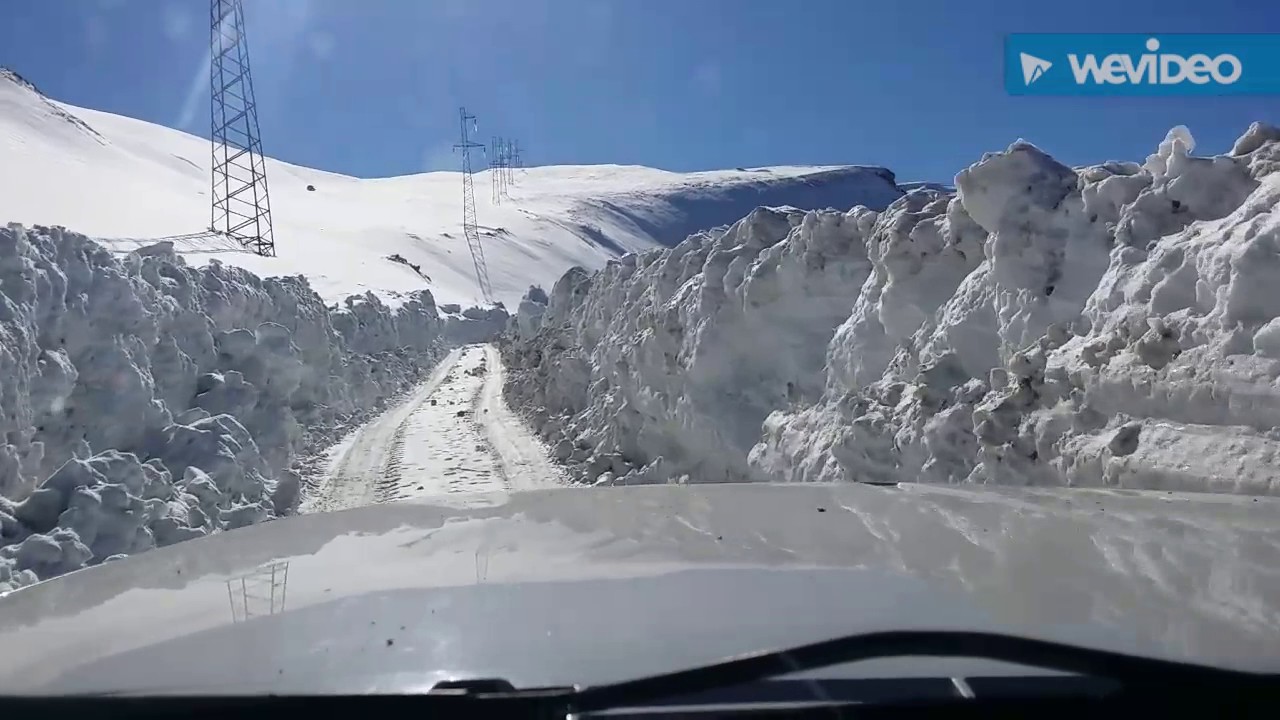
395	461
522	456
354	474
453	437
444	450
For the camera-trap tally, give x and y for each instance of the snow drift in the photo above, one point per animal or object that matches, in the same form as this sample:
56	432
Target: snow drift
1109	325
144	401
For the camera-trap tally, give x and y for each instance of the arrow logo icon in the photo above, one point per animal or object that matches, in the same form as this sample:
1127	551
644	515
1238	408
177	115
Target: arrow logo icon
1033	67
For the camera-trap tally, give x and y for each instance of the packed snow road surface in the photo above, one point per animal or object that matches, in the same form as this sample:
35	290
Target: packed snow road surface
522	457
453	435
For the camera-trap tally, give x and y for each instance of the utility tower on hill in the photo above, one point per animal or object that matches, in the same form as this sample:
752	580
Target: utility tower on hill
470	226
508	160
496	178
504	157
500	164
241	206
516	161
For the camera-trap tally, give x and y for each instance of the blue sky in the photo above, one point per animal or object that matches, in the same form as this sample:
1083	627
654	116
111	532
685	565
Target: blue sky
371	87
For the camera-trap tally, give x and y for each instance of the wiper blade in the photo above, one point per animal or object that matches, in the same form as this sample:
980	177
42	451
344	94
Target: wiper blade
1132	671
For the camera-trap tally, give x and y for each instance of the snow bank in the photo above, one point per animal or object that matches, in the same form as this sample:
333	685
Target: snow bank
1109	325
474	325
528	318
656	360
144	402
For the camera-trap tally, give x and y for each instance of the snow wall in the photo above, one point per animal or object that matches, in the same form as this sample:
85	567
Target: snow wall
144	401
1113	325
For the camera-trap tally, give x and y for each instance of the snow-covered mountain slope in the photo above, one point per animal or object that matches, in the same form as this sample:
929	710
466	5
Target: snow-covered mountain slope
117	178
1108	325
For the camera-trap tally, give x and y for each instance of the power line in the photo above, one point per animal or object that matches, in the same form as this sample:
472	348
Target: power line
470	226
241	206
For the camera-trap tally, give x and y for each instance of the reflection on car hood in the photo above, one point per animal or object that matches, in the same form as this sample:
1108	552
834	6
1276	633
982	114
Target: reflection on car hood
587	586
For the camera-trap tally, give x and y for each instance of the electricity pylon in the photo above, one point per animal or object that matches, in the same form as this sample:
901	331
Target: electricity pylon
500	163
241	205
470	226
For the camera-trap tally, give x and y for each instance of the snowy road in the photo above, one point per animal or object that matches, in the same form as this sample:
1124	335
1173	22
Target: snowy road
454	435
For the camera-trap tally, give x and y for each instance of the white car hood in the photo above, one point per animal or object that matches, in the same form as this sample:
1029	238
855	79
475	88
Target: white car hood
597	585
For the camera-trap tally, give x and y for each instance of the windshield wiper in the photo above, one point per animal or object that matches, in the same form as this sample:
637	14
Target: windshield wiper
1134	673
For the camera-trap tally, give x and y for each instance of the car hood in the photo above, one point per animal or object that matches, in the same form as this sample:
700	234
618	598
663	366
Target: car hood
587	586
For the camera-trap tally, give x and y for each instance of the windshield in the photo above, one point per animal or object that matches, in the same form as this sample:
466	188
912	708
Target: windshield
828	318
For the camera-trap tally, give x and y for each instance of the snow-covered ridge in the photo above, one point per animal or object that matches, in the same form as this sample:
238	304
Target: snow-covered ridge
1108	325
144	401
129	183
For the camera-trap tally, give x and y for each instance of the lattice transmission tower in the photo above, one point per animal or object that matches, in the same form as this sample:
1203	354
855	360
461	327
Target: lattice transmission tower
516	161
470	225
504	157
501	162
241	206
497	178
508	153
